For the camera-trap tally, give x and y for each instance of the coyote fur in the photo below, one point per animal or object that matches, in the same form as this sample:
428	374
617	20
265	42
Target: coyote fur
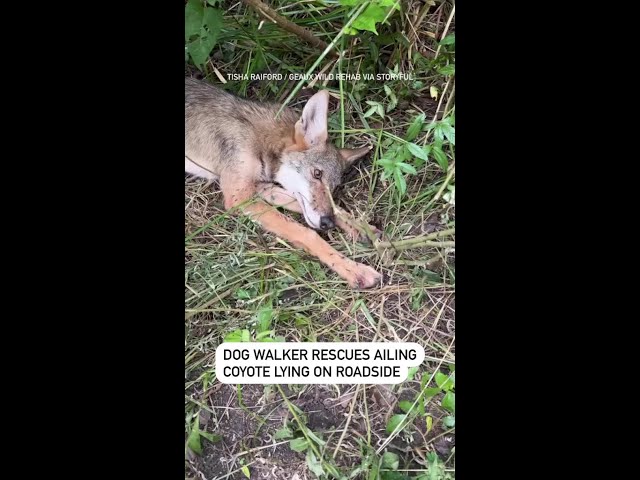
262	162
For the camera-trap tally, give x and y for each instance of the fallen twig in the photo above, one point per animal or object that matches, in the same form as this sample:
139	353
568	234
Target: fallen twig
273	16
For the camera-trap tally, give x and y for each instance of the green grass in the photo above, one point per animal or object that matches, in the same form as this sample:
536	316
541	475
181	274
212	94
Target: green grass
240	278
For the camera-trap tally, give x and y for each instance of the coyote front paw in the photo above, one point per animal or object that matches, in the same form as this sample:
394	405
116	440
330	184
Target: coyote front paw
363	276
355	234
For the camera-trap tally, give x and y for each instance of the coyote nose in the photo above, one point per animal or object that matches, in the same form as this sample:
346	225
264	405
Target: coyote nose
327	223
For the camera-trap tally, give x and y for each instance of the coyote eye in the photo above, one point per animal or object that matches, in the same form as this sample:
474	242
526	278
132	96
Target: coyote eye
317	174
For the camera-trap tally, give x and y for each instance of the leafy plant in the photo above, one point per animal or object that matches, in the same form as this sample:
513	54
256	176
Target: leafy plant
395	167
202	24
396	159
435	470
193	440
240	335
394	421
378	108
390	460
390	463
443	132
445	384
375	107
375	13
449	40
245	470
444	63
262	322
303	440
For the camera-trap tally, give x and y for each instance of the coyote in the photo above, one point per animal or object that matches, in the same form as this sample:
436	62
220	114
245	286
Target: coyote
262	162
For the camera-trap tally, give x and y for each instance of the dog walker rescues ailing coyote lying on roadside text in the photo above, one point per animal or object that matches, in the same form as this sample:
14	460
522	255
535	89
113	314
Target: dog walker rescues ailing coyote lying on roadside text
285	162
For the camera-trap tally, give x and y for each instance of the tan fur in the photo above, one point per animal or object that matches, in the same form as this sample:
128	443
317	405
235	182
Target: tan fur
254	154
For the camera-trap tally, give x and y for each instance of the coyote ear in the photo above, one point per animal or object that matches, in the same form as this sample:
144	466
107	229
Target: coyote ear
311	129
350	155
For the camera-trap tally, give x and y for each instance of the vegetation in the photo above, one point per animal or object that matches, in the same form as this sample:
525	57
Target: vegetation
390	67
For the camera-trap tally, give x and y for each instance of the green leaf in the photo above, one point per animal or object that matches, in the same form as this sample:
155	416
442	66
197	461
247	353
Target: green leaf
368	19
193	18
449	132
449	421
401	153
314	464
236	336
431	125
213	22
194	437
436	468
405	405
212	437
401	183
429	423
394	422
448	40
418	151
264	318
375	469
298	444
316	438
412	371
444	381
424	379
242	294
393	476
405	167
438	133
390	460
386	162
200	49
283	433
440	157
350	3
392	97
246	471
449	402
371	111
266	333
415	127
447	70
431	392
204	24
